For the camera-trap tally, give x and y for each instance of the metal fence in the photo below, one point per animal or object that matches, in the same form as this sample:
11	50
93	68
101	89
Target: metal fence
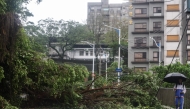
166	96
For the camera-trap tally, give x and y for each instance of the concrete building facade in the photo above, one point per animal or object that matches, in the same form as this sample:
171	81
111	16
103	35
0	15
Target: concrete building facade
157	19
148	21
101	13
186	39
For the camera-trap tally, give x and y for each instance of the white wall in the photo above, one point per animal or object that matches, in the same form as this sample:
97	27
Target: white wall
172	31
75	53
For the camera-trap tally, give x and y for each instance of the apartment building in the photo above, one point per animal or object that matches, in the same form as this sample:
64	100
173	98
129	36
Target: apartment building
153	19
186	39
101	13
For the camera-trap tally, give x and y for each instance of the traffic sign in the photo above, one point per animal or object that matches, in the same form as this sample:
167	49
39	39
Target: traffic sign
118	70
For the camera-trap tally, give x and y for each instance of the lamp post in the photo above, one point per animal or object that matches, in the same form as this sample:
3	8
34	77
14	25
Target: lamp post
159	46
119	30
93	46
106	66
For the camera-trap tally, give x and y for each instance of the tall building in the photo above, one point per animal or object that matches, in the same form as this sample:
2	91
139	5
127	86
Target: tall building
101	13
154	22
186	35
173	31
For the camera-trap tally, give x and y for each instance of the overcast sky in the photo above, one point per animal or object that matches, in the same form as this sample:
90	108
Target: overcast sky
62	9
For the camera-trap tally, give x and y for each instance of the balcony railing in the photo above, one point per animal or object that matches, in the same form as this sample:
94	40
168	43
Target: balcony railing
140	45
188	27
140	60
140	15
156	28
188	42
139	1
156	0
155	59
188	58
140	30
105	12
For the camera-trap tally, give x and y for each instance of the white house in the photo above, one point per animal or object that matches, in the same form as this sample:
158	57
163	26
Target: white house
81	52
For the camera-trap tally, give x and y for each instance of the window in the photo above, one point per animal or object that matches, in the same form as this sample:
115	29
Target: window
155	56
157	39
140	56
172	38
140	69
101	53
188	25
157	10
140	41
188	55
173	7
86	53
140	12
91	53
170	53
140	27
118	12
81	53
98	10
60	49
157	26
188	40
105	11
172	23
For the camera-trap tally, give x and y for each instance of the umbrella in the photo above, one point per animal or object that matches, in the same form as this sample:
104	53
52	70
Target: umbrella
174	77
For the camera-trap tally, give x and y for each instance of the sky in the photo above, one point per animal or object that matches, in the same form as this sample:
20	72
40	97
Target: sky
62	9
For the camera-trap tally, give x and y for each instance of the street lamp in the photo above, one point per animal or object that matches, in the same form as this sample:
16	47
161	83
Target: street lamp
106	54
159	46
119	30
93	46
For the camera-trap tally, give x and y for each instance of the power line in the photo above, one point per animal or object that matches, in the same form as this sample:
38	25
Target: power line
164	26
180	41
175	51
169	24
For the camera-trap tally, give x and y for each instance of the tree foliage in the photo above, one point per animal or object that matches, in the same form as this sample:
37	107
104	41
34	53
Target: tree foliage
30	72
162	71
60	35
136	90
24	70
40	41
112	37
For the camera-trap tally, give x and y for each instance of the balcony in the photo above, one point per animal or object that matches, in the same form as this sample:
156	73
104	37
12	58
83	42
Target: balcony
140	61
157	30
140	46
188	58
140	31
156	1
105	12
157	15
154	46
140	2
155	60
188	42
140	16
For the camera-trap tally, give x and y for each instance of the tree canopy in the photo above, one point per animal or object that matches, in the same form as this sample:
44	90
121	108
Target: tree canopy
61	35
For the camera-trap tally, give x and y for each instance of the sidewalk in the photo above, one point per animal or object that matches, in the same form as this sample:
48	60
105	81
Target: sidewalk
167	107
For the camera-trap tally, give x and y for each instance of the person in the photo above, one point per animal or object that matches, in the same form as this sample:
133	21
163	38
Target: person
180	90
